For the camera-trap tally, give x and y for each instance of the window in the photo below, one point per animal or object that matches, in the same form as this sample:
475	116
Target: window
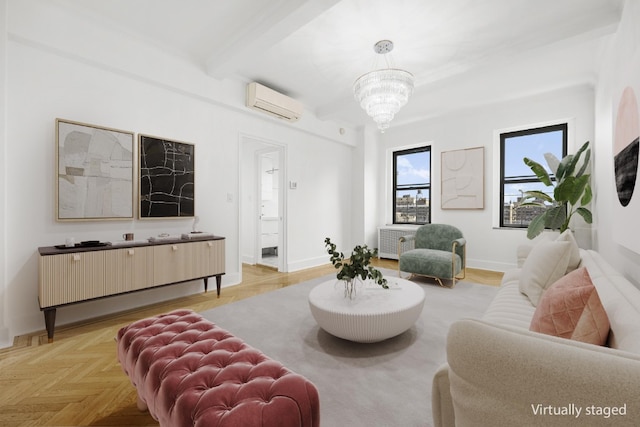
516	177
412	186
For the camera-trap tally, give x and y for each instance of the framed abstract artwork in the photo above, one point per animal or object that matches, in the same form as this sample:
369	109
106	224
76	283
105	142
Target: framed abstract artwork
94	167
462	173
167	178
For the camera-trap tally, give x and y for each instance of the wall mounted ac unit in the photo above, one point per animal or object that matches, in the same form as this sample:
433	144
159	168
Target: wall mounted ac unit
269	101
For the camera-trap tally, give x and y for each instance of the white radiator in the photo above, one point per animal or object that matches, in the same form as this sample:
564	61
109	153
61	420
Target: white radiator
388	240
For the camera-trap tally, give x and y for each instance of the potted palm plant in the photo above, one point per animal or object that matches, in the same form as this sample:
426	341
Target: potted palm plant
354	267
571	192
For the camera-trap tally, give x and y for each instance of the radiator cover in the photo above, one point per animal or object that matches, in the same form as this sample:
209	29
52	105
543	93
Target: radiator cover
388	240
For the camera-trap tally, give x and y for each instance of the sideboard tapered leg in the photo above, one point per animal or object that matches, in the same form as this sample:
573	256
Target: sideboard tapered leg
50	322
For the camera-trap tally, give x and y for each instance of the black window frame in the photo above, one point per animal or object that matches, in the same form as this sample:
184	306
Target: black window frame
423	186
564	127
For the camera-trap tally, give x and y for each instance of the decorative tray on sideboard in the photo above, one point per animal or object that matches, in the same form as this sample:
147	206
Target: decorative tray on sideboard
85	244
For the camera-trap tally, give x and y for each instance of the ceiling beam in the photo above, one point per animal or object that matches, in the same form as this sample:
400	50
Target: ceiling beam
263	32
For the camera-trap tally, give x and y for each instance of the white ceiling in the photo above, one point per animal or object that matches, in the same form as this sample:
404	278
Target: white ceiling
462	52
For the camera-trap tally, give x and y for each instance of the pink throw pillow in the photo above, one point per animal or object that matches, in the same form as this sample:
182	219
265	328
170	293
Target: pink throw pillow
571	308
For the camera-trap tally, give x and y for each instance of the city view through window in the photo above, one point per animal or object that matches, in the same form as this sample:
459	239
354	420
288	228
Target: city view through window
412	186
518	178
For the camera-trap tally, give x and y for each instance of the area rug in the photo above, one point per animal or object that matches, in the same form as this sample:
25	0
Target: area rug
379	384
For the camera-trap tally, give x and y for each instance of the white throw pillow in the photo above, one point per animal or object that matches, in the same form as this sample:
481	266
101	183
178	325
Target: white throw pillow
523	250
574	255
546	263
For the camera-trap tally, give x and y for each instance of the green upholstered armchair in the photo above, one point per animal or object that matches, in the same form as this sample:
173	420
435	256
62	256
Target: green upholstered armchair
439	251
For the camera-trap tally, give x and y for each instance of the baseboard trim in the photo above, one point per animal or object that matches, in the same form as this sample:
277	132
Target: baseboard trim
490	265
306	263
5	339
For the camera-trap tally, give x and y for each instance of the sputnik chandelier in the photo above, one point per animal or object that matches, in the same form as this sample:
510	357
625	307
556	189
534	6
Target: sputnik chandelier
381	93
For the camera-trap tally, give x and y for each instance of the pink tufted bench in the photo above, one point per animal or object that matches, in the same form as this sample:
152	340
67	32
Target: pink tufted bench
189	372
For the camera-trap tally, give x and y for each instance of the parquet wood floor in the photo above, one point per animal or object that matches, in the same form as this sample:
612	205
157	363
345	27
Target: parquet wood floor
77	381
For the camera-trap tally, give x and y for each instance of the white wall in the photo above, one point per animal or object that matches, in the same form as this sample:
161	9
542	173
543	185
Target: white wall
488	247
63	66
4	318
620	67
322	204
365	184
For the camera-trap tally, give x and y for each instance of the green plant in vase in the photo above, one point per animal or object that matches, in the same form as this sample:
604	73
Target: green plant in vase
357	266
571	192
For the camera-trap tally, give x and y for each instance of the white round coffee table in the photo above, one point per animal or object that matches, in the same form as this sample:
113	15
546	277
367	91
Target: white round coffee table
374	314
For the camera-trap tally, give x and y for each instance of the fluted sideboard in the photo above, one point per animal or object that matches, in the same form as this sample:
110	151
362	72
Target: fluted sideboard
74	275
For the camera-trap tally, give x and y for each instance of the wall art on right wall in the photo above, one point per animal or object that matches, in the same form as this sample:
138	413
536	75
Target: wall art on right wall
625	146
625	149
167	178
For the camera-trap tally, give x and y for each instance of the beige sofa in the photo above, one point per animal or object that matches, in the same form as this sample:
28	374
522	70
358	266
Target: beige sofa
498	373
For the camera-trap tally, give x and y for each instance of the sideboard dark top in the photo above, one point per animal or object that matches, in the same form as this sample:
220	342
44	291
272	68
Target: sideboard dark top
52	250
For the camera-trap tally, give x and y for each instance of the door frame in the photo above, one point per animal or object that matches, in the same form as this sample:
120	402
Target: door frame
281	148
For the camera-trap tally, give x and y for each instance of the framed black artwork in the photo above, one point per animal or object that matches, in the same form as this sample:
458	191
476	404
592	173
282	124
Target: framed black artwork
167	178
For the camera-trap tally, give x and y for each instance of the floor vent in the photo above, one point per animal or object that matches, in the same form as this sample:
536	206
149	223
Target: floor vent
388	240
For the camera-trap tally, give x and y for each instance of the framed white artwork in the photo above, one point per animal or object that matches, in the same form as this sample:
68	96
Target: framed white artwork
462	179
94	172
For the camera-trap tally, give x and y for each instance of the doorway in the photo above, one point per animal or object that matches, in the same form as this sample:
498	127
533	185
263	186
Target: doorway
268	226
262	181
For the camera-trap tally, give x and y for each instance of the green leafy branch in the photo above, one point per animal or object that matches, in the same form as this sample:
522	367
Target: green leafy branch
357	265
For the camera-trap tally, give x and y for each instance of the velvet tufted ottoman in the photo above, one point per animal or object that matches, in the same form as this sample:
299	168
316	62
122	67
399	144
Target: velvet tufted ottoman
189	372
